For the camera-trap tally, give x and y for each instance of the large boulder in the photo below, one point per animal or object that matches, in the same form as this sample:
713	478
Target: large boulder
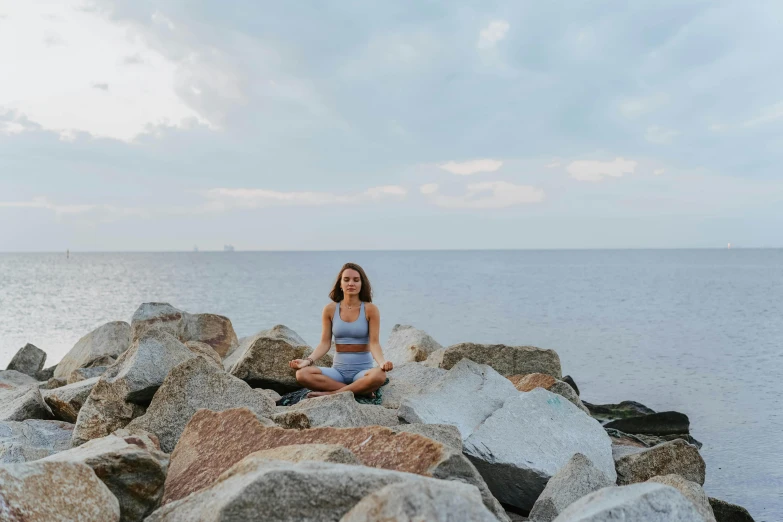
674	457
622	410
314	452
646	502
23	441
66	401
409	344
127	387
83	374
446	434
691	491
206	352
29	360
728	512
10	379
131	466
547	431
190	386
200	457
213	330
22	403
409	379
111	340
432	501
506	360
531	381
262	360
661	423
158	315
339	410
45	374
573	481
284	491
54	491
464	397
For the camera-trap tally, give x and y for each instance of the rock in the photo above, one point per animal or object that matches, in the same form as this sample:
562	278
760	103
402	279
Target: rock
22	403
200	458
66	401
190	386
622	410
29	360
213	330
45	374
262	360
338	411
111	339
564	390
131	466
24	441
726	512
547	430
409	344
662	423
435	359
52	384
675	457
82	374
124	391
691	491
647	441
315	452
206	352
573	481
10	379
54	491
531	381
646	502
436	501
506	360
409	379
272	394
303	491
158	315
570	381
464	397
446	434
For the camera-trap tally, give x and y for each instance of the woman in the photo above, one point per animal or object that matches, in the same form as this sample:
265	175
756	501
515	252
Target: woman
355	323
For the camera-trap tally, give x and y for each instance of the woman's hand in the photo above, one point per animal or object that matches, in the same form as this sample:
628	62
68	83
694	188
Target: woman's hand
387	366
298	364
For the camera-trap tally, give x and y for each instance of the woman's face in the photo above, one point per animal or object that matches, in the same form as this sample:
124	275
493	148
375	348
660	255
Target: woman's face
351	282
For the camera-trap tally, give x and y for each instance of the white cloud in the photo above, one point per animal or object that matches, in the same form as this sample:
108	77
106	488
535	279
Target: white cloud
491	194
220	199
768	115
466	168
658	172
385	190
590	170
492	34
428	188
656	134
552	165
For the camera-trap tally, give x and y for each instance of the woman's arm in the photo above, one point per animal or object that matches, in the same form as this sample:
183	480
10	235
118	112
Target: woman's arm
324	345
374	317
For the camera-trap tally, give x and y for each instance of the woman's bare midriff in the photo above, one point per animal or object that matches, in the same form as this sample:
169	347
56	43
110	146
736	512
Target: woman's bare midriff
351	348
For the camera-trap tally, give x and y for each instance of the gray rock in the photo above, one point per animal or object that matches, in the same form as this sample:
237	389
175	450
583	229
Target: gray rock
55	491
409	379
727	512
111	339
66	401
10	379
123	392
272	394
29	360
446	434
24	441
82	374
22	403
262	360
283	491
675	457
190	386
506	360
661	423
52	384
464	397
314	452
623	410
573	481
570	381
409	344
436	501
339	410
547	431
158	315
131	466
691	491
435	359
565	390
213	330
646	502
45	374
206	352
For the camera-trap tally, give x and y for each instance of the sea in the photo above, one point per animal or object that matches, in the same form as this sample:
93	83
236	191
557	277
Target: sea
695	331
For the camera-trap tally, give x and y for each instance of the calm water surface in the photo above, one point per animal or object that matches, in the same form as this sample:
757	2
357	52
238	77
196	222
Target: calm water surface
698	331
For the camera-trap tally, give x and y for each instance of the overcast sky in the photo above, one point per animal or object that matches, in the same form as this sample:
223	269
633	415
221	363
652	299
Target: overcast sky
356	124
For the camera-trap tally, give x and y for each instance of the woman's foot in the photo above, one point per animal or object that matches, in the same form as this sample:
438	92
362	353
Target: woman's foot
319	394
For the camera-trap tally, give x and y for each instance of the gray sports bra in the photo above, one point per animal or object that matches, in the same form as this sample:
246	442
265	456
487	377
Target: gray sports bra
355	332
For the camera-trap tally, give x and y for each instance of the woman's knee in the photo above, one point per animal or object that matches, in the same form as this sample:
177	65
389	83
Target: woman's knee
303	374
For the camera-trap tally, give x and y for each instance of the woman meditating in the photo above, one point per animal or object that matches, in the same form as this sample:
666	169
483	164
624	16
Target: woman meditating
355	323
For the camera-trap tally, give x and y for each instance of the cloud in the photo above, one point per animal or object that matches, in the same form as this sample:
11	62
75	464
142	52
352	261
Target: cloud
640	105
768	115
590	170
428	188
659	135
492	34
93	212
133	59
220	199
552	165
501	194
466	168
658	172
101	86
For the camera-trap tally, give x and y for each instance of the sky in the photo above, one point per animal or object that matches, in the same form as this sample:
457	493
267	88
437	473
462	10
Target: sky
167	125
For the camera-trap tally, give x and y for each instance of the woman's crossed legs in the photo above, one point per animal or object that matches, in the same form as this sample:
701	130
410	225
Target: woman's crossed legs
326	381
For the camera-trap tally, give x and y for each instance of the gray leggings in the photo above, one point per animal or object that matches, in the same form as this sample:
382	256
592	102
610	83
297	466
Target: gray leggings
349	367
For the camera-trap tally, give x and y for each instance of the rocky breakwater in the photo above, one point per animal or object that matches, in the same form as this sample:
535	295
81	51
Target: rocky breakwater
171	418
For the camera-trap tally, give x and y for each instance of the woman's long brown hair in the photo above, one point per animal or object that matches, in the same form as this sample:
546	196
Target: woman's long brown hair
365	294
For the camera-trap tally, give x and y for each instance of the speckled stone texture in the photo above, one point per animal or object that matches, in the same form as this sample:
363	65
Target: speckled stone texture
24	441
213	330
506	360
407	380
111	339
674	457
691	491
409	344
338	411
66	401
24	402
29	360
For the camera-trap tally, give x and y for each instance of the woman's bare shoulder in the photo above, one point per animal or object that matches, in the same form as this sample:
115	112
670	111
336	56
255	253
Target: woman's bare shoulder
330	308
371	308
